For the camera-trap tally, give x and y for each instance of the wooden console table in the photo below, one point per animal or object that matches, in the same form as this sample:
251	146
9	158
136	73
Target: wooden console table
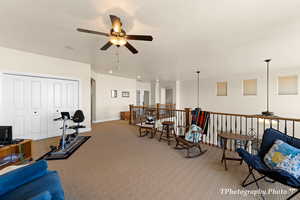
25	145
125	115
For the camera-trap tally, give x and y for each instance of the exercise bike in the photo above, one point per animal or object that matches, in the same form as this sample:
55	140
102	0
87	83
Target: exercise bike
68	142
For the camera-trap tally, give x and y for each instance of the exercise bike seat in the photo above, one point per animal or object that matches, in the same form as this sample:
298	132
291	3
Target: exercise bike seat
78	116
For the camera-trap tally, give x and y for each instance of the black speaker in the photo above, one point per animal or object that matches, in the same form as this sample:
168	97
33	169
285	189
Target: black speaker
5	135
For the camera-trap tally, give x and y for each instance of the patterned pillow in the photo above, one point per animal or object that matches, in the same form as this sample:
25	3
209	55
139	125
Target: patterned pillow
284	156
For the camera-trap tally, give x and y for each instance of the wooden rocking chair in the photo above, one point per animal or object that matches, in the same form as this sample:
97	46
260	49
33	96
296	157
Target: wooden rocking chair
200	118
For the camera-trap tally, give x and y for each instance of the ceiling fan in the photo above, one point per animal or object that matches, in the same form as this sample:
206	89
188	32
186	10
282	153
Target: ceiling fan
118	36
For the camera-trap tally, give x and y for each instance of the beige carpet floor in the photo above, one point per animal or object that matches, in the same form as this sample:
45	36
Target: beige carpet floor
115	164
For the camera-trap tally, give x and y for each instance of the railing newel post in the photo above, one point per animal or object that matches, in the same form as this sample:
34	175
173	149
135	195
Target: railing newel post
187	117
130	113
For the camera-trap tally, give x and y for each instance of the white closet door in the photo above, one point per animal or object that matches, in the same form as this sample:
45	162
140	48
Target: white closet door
55	92
29	104
62	97
15	103
38	108
70	99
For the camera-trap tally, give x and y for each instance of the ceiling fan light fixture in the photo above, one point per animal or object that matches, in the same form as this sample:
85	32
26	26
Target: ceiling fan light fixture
120	41
117	28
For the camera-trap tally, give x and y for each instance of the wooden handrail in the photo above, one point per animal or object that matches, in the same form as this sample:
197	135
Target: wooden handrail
256	116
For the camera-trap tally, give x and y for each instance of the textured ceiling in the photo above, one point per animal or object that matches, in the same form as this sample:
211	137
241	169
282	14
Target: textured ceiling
218	37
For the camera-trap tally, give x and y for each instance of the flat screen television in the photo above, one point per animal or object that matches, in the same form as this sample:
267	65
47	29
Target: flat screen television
5	135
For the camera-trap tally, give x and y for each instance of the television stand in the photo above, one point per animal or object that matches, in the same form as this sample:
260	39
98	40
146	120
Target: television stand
24	147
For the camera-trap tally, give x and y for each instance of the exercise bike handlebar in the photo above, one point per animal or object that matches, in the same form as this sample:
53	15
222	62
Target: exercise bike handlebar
61	118
56	119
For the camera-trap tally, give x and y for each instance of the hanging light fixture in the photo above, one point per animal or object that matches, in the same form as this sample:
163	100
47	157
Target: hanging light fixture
198	88
267	112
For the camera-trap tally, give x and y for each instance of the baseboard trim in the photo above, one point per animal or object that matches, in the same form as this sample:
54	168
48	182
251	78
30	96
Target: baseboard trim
84	130
105	120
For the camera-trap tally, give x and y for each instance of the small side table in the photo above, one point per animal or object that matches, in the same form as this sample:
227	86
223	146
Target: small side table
147	128
168	128
232	136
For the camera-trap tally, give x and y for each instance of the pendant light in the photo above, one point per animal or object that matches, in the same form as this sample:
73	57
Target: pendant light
198	90
267	112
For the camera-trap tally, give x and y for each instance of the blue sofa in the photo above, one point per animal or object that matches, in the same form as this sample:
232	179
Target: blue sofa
32	182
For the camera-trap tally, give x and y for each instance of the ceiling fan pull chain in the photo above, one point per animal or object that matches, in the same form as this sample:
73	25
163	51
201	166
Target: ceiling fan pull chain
118	59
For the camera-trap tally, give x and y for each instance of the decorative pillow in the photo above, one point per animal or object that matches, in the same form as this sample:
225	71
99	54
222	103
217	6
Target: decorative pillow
285	157
194	134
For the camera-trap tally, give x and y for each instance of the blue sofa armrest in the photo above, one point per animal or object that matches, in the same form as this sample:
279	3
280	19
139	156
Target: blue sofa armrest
21	176
42	196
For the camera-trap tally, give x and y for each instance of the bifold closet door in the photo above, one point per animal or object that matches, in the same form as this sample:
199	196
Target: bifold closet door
62	97
29	104
25	104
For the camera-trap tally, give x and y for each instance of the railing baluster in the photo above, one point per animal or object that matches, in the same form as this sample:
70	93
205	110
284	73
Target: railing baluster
246	125
222	123
235	125
257	134
226	123
230	124
285	126
217	127
209	132
241	125
293	128
213	119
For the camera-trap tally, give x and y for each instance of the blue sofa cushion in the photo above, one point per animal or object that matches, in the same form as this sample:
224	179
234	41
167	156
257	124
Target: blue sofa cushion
21	176
42	196
49	182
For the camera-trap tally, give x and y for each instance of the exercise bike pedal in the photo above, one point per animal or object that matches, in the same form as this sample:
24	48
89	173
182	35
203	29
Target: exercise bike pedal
53	148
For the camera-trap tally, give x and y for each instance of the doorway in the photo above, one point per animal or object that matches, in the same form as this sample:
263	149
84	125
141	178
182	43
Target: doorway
169	96
93	100
146	97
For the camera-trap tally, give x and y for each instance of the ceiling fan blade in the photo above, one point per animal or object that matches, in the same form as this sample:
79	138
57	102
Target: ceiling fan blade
131	48
139	37
116	23
93	32
106	46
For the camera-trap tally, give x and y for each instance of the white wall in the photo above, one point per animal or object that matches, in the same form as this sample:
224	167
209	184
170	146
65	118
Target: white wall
177	94
235	102
28	63
108	108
